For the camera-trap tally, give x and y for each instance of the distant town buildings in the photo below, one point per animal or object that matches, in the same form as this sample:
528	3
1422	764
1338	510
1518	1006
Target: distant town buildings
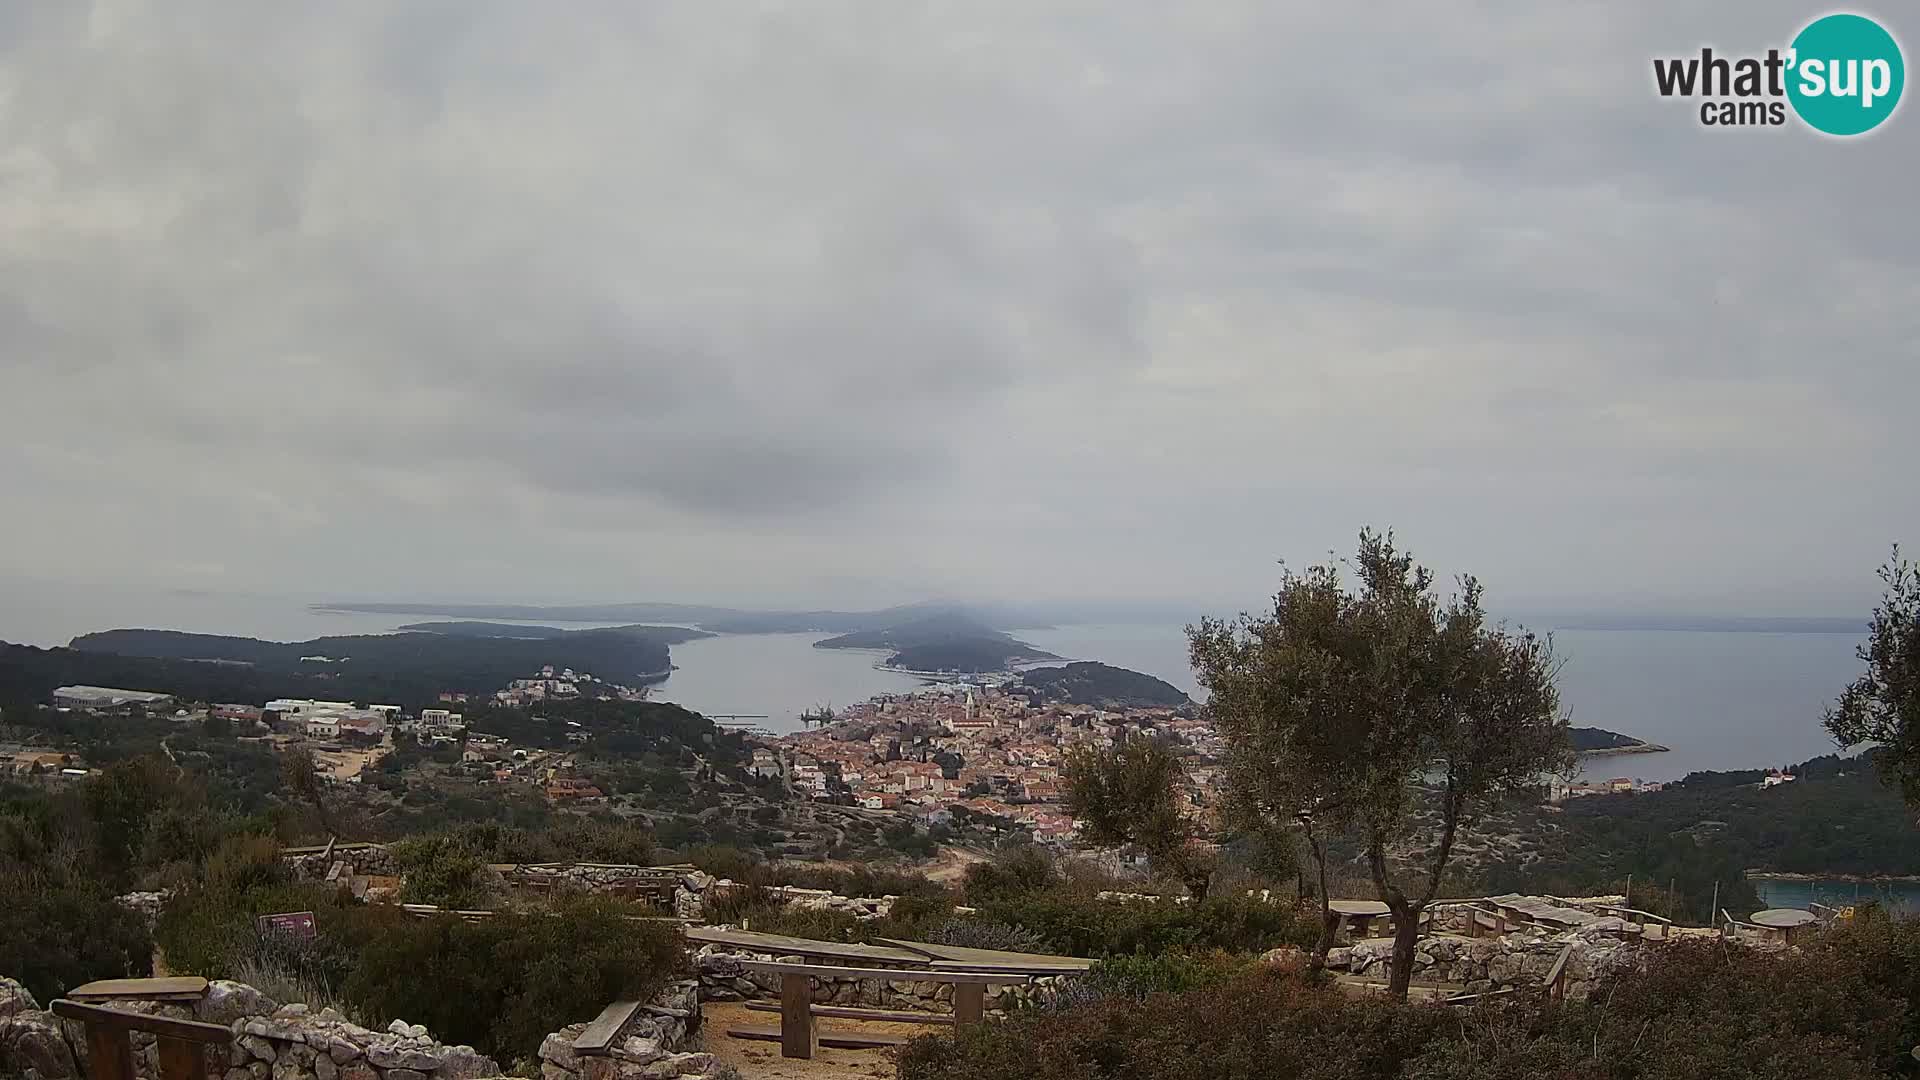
106	697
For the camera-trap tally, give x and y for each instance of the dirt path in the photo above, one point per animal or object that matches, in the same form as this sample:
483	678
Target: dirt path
952	862
762	1061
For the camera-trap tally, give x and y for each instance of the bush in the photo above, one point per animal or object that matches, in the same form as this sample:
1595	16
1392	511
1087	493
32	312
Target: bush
1691	1011
54	937
1079	924
1169	973
973	933
440	870
501	984
1022	869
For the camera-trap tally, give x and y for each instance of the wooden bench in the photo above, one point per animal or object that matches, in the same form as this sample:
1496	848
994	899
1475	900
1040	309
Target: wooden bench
797	1034
182	1043
891	1016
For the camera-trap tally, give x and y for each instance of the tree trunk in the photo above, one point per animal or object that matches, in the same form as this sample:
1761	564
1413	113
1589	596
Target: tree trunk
1406	937
1327	924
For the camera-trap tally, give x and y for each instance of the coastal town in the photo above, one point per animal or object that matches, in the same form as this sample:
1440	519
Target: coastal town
982	748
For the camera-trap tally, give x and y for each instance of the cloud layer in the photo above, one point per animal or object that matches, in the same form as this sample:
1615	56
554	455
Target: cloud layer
857	302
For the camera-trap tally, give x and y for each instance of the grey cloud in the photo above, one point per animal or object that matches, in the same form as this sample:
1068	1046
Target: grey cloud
1008	298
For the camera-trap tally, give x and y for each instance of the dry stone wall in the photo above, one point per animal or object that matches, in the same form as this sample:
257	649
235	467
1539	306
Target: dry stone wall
723	977
293	1042
1494	963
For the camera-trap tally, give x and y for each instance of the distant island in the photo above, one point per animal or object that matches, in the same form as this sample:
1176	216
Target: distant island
948	642
672	635
719	620
408	669
1084	682
1597	741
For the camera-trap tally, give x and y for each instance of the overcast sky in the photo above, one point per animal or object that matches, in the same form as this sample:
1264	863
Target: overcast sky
857	303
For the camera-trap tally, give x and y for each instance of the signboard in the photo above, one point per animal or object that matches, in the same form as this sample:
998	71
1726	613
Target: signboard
293	924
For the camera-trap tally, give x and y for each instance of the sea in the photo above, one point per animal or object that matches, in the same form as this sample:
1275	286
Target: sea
1716	699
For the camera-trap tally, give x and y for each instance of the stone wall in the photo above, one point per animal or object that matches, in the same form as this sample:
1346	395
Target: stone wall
654	1045
1494	963
294	1042
724	978
364	860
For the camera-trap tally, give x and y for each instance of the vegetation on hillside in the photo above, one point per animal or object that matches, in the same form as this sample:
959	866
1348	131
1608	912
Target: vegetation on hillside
1103	686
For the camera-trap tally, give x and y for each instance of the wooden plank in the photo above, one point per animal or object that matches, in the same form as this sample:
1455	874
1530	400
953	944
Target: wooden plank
796	1017
888	1015
140	989
826	971
834	1039
1468	999
109	1052
969	1003
181	1059
1020	972
990	959
95	1016
782	944
599	1035
1556	975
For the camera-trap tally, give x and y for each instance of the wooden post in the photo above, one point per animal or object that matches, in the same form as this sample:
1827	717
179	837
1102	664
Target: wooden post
181	1059
969	1003
1716	902
1628	902
797	1038
109	1053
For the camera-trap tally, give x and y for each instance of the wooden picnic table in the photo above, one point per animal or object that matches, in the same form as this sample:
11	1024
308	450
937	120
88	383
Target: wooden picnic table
799	1038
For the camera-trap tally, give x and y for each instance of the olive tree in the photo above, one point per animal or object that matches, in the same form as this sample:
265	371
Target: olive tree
1274	693
1356	708
1883	705
1131	797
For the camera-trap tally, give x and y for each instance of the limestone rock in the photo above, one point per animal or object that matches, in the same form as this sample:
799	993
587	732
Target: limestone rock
692	1064
258	1047
15	998
324	1068
31	1043
342	1050
637	1050
405	1074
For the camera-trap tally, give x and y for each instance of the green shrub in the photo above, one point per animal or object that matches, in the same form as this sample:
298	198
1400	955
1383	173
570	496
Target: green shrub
1690	1011
501	984
1079	924
1168	973
440	870
1019	870
975	933
55	936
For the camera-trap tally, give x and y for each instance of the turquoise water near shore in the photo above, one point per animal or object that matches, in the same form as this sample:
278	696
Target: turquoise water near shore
1903	896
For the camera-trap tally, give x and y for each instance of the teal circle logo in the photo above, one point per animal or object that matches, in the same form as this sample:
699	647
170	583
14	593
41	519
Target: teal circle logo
1845	74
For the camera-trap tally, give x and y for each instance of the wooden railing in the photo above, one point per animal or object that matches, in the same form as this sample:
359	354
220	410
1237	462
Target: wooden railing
183	1043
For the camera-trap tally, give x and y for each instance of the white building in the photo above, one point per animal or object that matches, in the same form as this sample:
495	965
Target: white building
106	697
323	726
435	721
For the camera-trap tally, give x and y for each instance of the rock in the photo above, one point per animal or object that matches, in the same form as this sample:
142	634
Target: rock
692	1064
465	1063
746	986
400	1027
296	1009
31	1044
15	998
558	1048
1284	956
550	1071
260	1070
238	1073
638	1050
392	1056
660	1070
1340	957
342	1050
288	1069
405	1074
324	1068
258	1047
359	1070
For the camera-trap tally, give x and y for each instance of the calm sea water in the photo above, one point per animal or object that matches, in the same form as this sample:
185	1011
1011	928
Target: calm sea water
1719	700
1901	896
